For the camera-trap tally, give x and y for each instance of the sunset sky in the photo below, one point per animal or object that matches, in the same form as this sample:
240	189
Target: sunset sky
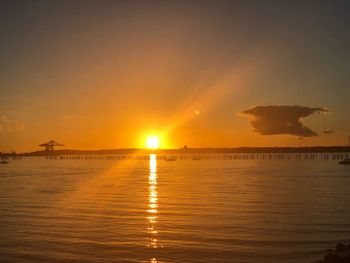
107	74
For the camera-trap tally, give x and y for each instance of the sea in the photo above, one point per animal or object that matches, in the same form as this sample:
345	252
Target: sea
154	210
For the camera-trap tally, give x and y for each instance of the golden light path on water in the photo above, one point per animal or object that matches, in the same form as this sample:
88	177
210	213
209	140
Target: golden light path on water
152	209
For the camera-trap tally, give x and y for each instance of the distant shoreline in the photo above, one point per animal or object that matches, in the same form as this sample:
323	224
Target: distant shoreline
317	149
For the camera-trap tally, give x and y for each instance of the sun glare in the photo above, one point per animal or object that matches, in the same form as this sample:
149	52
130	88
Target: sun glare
152	142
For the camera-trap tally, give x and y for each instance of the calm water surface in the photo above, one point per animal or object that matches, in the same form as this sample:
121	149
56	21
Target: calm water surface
182	211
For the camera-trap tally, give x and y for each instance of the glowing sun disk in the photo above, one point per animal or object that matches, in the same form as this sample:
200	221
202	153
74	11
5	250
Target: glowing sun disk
152	142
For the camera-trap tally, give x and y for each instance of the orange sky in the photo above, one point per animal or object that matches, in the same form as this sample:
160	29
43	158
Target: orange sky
98	75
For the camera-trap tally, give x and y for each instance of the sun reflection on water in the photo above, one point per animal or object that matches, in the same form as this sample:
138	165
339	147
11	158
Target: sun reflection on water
152	209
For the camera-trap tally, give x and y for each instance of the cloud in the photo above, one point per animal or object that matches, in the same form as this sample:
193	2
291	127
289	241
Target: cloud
9	125
274	120
328	131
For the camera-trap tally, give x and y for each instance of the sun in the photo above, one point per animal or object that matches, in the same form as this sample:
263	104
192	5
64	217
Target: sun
152	142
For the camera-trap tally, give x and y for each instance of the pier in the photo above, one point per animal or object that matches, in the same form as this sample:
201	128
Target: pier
243	156
319	153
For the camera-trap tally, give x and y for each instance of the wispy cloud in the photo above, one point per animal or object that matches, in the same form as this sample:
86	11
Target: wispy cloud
9	125
274	120
328	131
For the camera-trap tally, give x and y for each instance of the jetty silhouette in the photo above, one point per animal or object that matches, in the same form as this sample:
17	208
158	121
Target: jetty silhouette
259	153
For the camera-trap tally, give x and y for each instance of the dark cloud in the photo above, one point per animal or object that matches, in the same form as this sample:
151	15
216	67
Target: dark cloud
273	120
329	131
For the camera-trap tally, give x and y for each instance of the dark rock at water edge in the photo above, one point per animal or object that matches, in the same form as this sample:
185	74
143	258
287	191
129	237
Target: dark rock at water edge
341	254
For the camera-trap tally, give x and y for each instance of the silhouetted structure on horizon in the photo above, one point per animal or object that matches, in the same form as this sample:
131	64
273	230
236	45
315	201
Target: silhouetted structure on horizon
317	152
50	145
